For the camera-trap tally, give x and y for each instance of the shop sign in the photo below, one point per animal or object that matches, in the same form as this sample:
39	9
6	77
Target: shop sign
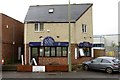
48	41
85	44
38	68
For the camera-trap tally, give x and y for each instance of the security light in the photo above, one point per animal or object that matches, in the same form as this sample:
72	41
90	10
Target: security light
13	43
7	26
48	30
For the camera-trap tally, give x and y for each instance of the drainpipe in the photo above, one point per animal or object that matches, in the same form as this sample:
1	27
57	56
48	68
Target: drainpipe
25	35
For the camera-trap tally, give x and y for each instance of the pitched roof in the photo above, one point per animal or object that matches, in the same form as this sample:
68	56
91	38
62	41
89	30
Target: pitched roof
40	13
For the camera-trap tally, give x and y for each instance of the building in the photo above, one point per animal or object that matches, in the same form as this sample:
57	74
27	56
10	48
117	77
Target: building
98	46
46	34
11	39
108	43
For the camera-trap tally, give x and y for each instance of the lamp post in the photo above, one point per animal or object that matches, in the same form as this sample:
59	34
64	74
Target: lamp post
69	49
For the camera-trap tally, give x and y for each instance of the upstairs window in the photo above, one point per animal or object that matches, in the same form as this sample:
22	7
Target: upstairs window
39	27
36	27
84	28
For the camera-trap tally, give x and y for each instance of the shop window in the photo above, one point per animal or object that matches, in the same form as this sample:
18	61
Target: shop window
41	51
52	51
64	51
85	52
58	51
81	52
47	51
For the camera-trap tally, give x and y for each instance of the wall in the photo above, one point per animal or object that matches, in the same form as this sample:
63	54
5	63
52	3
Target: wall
84	19
56	29
0	37
63	60
14	33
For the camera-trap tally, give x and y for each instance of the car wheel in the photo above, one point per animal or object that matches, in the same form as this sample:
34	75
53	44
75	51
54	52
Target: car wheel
109	70
86	67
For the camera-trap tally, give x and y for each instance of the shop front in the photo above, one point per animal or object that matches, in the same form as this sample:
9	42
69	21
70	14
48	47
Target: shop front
85	49
49	52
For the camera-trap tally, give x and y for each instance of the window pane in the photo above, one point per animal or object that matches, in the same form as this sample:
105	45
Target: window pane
41	27
97	60
64	50
47	51
34	53
105	61
84	28
41	51
52	51
81	52
116	60
86	51
36	27
58	51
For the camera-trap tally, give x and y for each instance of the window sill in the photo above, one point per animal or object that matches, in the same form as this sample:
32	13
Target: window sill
53	56
84	32
38	31
83	56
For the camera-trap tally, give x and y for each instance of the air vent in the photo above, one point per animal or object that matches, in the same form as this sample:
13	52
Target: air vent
51	10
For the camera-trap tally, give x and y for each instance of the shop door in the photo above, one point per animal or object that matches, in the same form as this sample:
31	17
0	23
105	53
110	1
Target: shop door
34	54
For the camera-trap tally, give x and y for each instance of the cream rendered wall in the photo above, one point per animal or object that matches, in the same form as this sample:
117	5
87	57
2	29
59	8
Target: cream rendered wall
84	19
61	30
56	29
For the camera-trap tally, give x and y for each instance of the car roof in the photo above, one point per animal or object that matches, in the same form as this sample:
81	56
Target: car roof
108	58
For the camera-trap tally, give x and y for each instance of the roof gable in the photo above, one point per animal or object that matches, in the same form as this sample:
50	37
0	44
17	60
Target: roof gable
60	14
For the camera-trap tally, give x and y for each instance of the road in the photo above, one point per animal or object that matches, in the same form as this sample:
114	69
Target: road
81	74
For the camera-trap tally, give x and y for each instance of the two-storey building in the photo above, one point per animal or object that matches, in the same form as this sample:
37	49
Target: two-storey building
46	34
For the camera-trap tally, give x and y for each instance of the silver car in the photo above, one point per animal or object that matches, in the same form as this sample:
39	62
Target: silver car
108	64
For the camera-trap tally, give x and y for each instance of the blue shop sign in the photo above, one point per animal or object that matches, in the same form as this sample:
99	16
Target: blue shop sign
48	41
85	44
37	44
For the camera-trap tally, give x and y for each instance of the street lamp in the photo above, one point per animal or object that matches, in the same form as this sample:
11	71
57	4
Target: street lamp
69	49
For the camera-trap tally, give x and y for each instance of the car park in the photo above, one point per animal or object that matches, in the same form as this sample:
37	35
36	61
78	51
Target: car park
108	64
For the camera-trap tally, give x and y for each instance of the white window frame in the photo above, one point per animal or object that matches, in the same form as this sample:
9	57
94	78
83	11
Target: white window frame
84	28
39	27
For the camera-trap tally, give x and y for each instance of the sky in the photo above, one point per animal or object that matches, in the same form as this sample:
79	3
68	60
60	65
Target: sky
105	12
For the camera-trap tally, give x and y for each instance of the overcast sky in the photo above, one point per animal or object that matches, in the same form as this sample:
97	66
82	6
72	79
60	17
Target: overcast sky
105	12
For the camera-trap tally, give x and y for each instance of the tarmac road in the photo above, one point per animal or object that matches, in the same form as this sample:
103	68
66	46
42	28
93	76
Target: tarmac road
81	74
